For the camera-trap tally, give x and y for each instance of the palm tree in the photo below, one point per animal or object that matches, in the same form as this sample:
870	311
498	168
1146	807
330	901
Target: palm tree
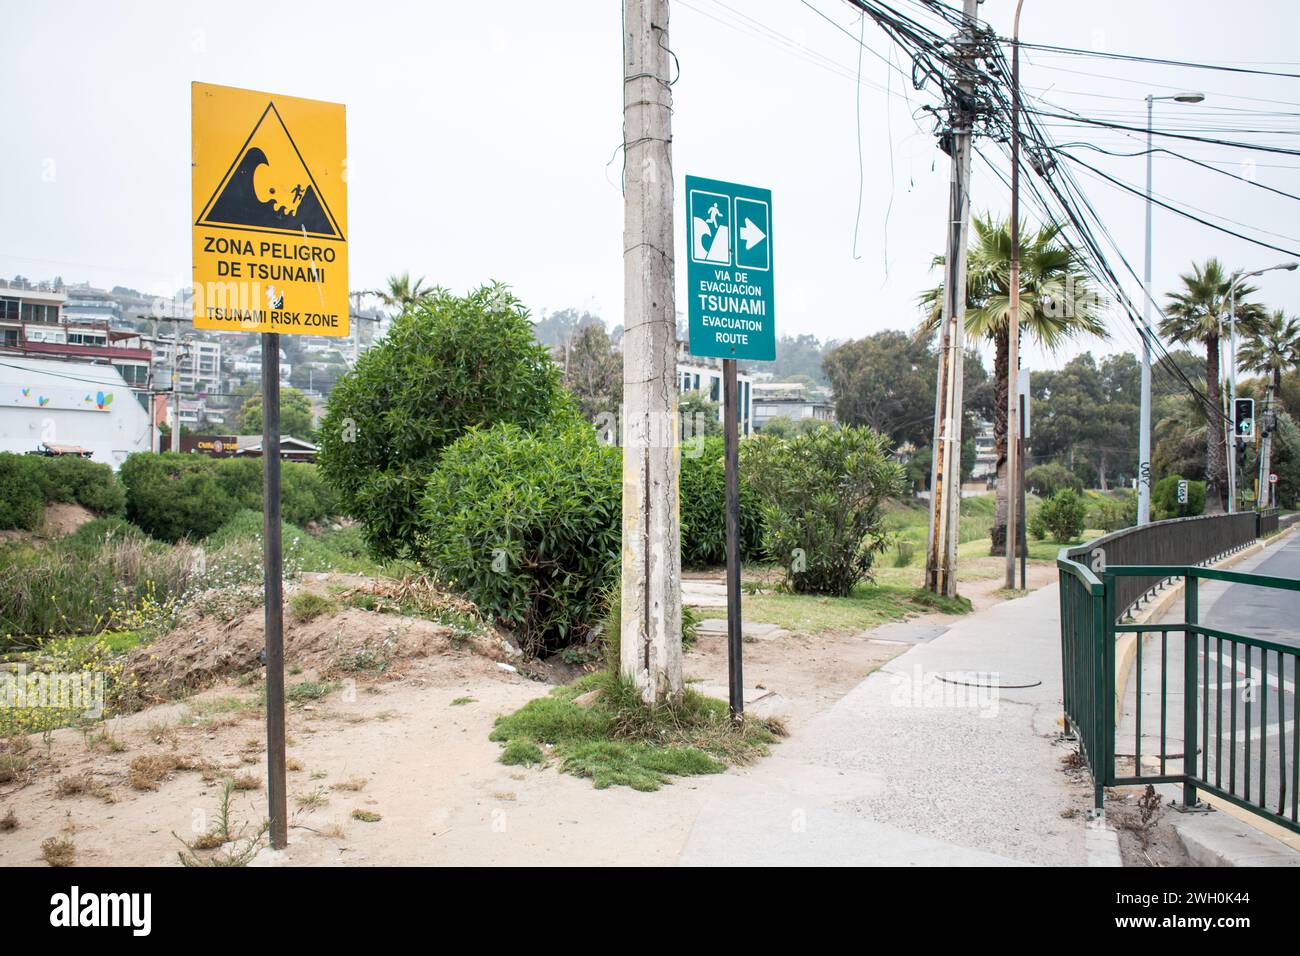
405	293
1273	348
1057	303
1197	313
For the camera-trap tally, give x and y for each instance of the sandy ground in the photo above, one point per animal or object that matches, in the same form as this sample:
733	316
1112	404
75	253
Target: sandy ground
402	749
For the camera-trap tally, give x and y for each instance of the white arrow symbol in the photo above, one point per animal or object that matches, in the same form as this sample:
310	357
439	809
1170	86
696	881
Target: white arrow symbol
751	233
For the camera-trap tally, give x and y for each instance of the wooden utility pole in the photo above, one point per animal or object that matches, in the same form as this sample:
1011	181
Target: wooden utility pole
1013	318
651	627
945	477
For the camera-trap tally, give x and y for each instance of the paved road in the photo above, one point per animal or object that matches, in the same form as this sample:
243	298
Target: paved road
1236	696
1259	612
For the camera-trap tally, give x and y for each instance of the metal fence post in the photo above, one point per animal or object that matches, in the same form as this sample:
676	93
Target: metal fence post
1108	702
1101	692
1190	683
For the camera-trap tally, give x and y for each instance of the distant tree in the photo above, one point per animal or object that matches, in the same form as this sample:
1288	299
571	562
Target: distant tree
797	357
594	373
699	415
558	330
886	383
405	293
1085	413
295	415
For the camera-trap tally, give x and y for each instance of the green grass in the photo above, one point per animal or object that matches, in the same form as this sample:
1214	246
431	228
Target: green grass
619	741
302	692
307	606
868	606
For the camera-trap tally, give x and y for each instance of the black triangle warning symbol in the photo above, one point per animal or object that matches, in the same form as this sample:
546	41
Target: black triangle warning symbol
269	188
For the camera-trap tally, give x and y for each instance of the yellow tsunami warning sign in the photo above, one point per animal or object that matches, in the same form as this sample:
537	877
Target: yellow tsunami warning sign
270	213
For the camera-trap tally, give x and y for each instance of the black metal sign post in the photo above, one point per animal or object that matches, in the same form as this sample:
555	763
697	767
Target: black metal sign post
731	431
274	594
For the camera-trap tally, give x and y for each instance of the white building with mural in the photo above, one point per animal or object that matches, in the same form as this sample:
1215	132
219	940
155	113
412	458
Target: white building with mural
60	402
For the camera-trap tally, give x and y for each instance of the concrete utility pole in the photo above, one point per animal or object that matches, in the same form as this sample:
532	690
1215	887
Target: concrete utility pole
945	476
1013	324
651	628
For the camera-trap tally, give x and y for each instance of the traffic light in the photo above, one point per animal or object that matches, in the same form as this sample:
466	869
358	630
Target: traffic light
1244	417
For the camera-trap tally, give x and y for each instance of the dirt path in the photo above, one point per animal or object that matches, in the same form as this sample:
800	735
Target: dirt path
413	750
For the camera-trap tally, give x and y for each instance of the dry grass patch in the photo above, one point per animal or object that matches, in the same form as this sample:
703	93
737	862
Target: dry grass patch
353	783
9	822
58	852
82	784
147	771
246	781
366	816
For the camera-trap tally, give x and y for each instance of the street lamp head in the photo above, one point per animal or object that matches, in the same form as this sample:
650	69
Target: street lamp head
1189	98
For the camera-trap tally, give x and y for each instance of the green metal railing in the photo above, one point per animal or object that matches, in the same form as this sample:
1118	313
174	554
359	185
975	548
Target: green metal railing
1227	721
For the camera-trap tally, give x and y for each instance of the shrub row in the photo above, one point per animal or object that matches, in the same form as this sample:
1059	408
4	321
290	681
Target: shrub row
527	524
29	482
174	495
703	503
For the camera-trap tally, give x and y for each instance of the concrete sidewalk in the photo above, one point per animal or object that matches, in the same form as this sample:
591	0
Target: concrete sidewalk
918	765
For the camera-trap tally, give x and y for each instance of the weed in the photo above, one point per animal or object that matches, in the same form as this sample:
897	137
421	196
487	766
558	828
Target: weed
293	764
306	606
313	800
242	849
76	785
107	742
246	781
462	701
13	765
307	690
58	852
366	816
9	821
369	658
521	751
148	770
352	783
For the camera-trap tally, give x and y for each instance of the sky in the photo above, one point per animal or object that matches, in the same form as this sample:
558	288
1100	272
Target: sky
484	139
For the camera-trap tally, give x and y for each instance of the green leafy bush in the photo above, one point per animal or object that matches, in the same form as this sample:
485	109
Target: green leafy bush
528	526
1046	480
176	495
29	482
821	495
22	498
87	483
173	495
448	364
1063	516
1164	498
703	503
1113	513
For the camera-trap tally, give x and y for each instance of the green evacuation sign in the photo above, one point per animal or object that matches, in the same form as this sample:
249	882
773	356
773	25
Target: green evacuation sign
729	270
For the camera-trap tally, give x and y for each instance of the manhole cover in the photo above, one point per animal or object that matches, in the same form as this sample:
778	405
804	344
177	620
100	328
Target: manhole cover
988	679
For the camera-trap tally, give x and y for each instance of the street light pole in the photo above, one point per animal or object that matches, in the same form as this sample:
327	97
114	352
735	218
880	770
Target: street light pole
1144	425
